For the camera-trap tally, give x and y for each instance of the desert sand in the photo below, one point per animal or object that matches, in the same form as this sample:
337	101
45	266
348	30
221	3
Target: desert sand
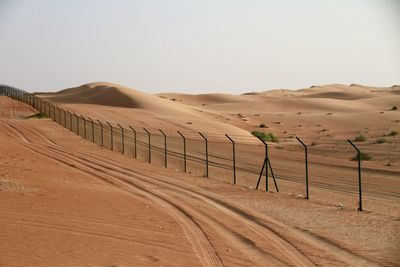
69	202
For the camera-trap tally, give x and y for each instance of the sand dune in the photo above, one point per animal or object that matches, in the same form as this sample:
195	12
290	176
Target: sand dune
342	109
119	104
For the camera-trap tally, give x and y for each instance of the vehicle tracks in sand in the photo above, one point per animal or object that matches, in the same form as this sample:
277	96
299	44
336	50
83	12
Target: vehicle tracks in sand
242	242
277	228
245	231
319	245
192	230
86	232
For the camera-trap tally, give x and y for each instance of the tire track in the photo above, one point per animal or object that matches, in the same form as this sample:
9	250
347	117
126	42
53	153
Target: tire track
272	225
294	256
14	130
99	222
71	230
328	246
284	251
192	230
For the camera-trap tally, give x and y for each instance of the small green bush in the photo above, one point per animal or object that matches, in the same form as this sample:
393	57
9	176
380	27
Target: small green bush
269	137
380	141
363	156
393	133
38	115
360	138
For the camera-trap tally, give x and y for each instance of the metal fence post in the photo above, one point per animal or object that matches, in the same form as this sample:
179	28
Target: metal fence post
45	108
122	139
306	162
148	133
101	132
233	158
112	137
65	119
42	108
77	124
205	139
266	165
84	126
54	112
134	140
165	147
70	120
184	150
359	176
92	128
40	105
59	115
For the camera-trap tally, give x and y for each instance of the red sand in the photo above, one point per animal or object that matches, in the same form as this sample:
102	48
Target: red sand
67	202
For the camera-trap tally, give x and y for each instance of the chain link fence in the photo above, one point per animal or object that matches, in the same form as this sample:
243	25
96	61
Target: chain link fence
323	169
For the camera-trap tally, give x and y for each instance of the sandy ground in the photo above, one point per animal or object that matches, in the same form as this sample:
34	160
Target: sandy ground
324	117
68	202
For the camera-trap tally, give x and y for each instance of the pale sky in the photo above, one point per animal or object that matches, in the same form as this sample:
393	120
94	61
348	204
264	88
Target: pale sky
199	46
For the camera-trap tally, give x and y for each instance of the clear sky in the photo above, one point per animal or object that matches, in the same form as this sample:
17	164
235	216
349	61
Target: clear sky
199	46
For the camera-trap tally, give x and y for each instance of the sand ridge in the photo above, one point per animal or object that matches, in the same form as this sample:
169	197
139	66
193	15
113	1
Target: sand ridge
97	99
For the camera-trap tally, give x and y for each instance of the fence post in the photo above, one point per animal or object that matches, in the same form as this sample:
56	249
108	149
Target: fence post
84	126
233	158
65	119
92	128
112	137
184	150
359	175
45	108
70	120
42	106
148	133
77	124
266	165
205	139
134	136
54	112
306	162
101	132
149	136
59	116
122	139
165	147
39	105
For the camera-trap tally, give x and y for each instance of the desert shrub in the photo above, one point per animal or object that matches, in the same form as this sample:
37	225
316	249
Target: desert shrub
394	108
360	138
39	115
363	156
380	141
393	133
262	125
269	137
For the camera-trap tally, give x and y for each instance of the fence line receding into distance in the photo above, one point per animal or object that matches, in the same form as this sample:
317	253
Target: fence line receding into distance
327	170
